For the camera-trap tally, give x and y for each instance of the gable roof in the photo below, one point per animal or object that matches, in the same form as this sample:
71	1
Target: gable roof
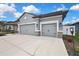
52	14
75	23
71	24
23	14
47	15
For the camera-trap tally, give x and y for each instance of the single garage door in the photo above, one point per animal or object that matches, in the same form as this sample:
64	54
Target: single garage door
28	29
49	29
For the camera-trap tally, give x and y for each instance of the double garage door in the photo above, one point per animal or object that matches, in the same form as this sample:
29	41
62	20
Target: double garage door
47	29
28	29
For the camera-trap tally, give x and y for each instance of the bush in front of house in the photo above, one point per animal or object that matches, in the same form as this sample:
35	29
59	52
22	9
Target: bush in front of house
2	33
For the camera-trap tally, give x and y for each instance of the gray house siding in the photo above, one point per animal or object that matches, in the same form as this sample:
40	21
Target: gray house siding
55	18
76	28
47	24
26	24
27	18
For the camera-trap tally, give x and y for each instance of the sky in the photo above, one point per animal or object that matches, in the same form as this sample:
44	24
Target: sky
12	11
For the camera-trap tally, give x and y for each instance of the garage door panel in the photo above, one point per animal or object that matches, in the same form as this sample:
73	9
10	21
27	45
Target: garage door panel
49	29
28	29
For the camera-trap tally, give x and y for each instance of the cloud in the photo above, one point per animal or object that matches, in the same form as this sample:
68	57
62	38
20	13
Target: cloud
6	8
59	9
31	9
13	5
10	8
1	16
75	7
66	22
62	7
17	14
73	17
77	20
74	21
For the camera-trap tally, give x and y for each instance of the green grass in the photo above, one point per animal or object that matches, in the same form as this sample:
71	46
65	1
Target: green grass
76	40
76	37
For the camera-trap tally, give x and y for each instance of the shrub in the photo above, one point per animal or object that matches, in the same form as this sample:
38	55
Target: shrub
2	33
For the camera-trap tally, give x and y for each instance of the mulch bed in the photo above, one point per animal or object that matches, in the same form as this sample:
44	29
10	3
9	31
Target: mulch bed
69	45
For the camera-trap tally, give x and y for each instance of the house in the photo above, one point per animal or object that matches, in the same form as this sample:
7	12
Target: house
67	30
76	24
10	26
44	25
1	26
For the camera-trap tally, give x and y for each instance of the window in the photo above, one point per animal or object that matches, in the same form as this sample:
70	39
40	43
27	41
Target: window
60	26
66	31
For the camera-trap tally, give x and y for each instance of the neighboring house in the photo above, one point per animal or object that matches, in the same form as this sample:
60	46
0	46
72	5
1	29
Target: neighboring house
11	26
1	26
67	31
45	25
76	24
66	28
8	26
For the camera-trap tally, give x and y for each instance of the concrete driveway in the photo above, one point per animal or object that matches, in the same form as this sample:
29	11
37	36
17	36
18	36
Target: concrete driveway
27	45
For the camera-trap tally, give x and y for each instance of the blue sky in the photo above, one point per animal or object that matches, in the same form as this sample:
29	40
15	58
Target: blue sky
10	12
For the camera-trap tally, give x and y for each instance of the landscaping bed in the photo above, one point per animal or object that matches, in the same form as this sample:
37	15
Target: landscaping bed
68	40
7	32
2	33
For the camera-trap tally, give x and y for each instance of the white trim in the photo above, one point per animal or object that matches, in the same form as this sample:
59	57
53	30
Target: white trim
28	23
36	29
48	22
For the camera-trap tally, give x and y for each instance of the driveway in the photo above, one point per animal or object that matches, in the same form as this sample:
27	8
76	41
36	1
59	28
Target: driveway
27	45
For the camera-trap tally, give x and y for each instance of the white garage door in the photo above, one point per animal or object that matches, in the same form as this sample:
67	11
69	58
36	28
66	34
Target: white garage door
28	29
49	29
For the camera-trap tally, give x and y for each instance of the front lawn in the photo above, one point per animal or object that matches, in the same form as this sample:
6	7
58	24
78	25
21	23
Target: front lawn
76	37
